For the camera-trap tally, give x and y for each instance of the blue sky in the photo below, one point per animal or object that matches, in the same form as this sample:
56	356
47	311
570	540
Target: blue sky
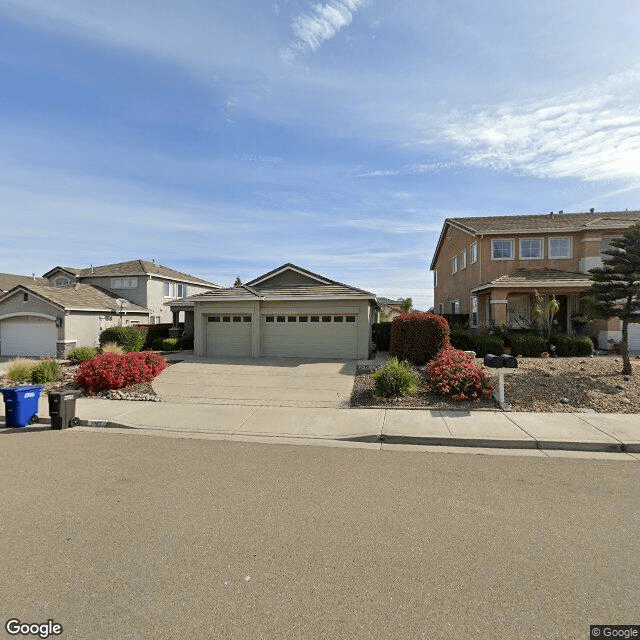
226	138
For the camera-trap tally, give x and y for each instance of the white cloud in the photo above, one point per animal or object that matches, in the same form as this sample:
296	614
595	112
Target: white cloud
591	134
311	30
428	167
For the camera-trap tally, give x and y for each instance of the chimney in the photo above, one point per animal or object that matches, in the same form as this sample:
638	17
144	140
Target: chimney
91	268
561	211
550	213
33	275
591	210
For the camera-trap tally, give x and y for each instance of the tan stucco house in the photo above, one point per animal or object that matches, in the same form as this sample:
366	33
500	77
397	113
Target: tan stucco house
69	307
287	312
489	267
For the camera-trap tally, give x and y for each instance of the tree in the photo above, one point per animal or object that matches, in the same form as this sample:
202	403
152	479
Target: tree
407	304
238	282
615	291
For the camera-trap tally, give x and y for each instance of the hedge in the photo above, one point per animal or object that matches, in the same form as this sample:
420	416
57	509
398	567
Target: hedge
528	345
113	371
129	338
571	345
487	344
461	338
418	337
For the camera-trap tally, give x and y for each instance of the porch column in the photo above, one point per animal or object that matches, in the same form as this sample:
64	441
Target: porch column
174	331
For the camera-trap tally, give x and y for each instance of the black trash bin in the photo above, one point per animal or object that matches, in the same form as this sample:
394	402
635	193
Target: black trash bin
62	408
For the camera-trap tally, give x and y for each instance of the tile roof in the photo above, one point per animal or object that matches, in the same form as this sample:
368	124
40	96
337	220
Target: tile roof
78	297
9	280
539	277
548	222
136	268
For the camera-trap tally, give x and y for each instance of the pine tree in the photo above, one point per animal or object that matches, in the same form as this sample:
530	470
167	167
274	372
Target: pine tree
615	291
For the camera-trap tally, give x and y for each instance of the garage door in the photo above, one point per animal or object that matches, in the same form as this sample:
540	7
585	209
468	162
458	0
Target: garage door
634	337
228	335
28	336
309	336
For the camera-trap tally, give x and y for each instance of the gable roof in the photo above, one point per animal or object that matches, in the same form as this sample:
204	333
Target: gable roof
545	223
10	280
259	289
540	277
76	297
133	268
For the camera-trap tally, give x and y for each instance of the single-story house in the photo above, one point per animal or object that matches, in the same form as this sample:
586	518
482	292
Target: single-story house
39	319
287	312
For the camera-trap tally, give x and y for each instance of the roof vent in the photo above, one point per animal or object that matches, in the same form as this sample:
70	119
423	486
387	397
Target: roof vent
591	210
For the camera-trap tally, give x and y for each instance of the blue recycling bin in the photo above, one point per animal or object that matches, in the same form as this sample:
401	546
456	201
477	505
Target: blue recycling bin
21	404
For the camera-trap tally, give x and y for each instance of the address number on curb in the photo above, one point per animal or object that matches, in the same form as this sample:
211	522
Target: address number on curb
97	423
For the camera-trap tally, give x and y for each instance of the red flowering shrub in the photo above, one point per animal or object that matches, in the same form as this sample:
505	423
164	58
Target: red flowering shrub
455	374
114	371
418	337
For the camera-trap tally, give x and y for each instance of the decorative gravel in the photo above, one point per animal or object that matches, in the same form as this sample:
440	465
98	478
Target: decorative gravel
539	385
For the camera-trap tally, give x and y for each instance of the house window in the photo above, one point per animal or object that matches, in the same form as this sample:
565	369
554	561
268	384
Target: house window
124	283
435	277
337	318
463	259
303	319
25	297
455	306
530	248
269	319
281	318
326	318
60	282
559	248
226	318
502	249
474	252
350	318
454	264
291	318
246	318
315	318
182	290
237	318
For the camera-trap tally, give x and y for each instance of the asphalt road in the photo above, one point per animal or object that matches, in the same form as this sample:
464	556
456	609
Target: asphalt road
126	536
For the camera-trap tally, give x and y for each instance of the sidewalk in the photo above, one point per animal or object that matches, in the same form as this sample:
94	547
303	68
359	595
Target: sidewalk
596	432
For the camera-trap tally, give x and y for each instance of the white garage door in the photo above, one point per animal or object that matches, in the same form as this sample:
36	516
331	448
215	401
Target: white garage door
228	335
28	336
309	336
634	337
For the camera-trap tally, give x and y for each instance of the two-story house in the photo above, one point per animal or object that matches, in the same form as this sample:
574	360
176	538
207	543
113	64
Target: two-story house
490	267
69	307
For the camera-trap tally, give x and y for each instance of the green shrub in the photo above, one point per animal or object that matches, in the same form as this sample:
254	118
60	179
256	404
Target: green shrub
571	345
487	344
166	344
45	371
460	337
20	370
528	345
185	343
80	354
418	337
129	338
395	379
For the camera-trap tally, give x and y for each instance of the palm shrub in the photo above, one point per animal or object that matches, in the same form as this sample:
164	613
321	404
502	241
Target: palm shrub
80	354
20	370
129	338
395	379
45	371
418	337
112	347
454	374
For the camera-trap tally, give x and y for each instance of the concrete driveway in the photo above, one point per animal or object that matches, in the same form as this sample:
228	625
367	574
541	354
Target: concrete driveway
273	382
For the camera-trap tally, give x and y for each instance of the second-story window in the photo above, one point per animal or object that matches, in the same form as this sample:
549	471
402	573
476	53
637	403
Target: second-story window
435	277
175	290
559	248
502	249
530	248
474	252
124	283
454	264
463	259
61	282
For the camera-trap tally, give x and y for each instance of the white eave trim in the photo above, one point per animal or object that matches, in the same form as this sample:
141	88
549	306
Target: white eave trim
268	276
539	284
